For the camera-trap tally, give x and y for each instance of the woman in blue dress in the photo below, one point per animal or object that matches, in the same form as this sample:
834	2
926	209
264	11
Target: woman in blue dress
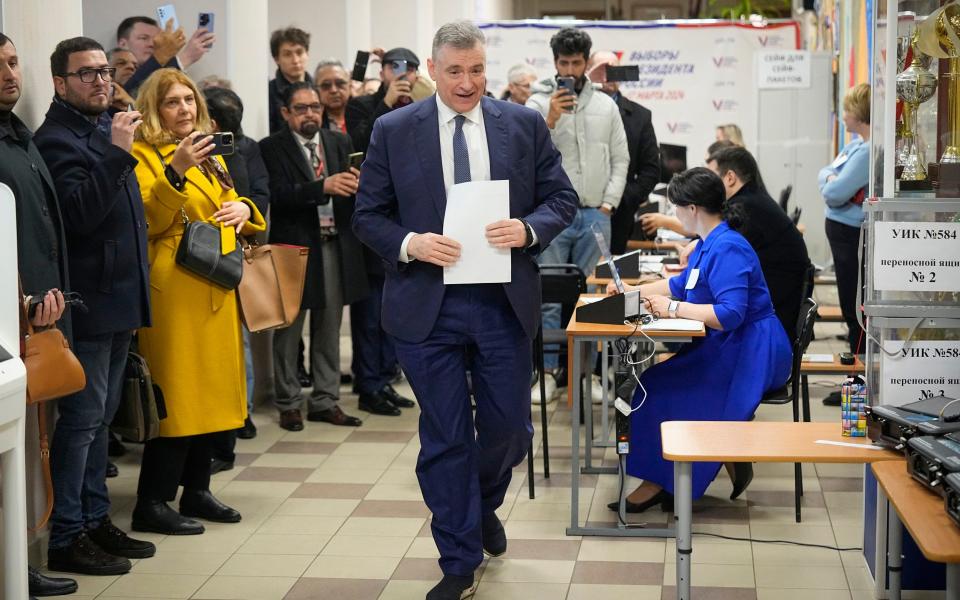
722	376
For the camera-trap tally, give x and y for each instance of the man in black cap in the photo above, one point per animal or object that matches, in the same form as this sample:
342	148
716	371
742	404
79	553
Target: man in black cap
374	362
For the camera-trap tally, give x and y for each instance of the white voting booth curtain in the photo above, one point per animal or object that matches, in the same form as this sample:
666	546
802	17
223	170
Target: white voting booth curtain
694	75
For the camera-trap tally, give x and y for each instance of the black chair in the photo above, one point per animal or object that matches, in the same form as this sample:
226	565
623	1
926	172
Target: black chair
559	284
785	197
790	393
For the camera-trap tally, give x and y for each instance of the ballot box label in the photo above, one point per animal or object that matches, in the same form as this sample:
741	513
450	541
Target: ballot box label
916	257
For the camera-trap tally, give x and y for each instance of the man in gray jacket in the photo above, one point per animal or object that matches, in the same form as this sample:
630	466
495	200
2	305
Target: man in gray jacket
587	129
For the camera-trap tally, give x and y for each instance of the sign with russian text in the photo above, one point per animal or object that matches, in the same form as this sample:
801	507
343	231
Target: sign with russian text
783	69
925	368
916	257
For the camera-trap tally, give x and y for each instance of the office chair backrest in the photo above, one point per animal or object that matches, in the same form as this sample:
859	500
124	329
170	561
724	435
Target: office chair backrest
562	284
785	197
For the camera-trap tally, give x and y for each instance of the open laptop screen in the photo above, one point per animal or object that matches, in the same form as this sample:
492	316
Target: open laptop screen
607	257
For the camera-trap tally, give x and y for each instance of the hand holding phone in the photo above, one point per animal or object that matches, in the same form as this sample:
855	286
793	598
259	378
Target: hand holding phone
205	21
355	159
222	143
166	13
360	65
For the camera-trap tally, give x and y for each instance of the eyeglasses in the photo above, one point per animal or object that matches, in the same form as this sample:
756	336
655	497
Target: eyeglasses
328	85
302	109
90	75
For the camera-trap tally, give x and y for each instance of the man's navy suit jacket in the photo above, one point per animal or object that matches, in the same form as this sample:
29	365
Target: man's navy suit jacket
402	191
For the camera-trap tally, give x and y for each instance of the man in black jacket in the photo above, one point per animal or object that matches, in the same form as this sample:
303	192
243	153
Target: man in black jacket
89	156
644	170
399	74
41	246
311	204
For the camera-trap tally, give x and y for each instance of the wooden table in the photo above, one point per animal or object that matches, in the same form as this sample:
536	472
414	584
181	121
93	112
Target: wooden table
687	442
581	338
652	245
921	511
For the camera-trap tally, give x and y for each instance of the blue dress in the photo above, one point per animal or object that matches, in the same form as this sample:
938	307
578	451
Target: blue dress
720	377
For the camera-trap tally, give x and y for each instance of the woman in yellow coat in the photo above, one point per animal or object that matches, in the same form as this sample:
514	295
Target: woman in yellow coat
194	348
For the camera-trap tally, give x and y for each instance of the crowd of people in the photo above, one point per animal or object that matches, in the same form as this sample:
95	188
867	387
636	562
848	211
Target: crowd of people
125	159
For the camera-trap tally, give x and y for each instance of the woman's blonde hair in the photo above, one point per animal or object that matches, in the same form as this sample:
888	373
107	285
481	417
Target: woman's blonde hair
857	102
150	98
732	133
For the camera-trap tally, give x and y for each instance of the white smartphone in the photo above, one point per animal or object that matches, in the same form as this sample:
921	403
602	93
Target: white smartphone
167	13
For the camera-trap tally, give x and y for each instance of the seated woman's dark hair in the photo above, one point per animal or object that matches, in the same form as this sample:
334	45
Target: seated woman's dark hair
702	187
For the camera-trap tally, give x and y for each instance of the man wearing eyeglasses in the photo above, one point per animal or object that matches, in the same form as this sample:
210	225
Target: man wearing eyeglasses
88	154
333	84
312	192
399	75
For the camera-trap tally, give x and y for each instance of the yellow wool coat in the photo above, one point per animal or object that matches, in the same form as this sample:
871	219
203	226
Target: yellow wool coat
194	347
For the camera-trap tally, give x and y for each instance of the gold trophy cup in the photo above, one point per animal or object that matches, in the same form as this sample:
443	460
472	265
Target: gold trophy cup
939	36
915	85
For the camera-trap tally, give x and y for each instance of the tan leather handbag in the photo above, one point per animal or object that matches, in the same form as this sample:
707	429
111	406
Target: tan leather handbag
53	371
271	288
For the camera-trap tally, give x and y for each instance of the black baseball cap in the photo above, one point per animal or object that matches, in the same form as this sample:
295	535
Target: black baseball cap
401	54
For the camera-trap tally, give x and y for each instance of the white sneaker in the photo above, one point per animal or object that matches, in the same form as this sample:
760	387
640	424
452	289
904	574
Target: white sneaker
596	392
549	387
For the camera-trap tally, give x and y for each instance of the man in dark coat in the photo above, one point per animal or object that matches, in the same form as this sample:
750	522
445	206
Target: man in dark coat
312	198
644	170
89	156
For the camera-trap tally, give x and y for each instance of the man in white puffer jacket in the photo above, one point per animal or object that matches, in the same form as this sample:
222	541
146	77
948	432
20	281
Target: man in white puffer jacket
587	129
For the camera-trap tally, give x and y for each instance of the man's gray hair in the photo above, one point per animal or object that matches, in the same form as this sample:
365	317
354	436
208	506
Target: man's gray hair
328	62
462	35
518	71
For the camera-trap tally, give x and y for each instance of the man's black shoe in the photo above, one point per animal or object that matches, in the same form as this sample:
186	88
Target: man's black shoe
304	377
377	404
334	416
217	465
453	587
114	541
112	470
115	447
346	379
155	516
494	537
84	556
201	504
41	585
832	399
396	399
248	431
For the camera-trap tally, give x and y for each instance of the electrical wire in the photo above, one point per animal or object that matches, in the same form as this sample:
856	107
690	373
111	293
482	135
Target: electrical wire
740	539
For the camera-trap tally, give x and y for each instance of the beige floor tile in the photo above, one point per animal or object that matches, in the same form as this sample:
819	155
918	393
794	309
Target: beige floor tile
181	563
533	511
726	529
399	476
310	461
779	514
395	491
325	474
786	483
423	547
87	585
809	577
352	567
794	532
266	489
783	554
802	594
579	591
490	590
154	586
318	433
364	545
406	590
349	448
399	527
266	565
229	587
848	536
528	571
859	578
286	524
279	543
843	499
353	461
705	575
648	551
538	530
220	541
726	553
853	558
839	470
317	507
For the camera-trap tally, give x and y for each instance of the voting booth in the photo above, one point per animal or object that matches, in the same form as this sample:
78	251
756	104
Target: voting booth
13	389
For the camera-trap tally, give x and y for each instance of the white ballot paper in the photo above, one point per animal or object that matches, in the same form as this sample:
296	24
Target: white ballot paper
471	206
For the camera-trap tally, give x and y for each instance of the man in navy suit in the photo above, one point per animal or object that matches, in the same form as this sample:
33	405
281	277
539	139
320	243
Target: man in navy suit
88	154
415	155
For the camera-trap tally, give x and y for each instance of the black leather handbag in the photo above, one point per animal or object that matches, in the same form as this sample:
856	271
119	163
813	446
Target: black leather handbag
199	252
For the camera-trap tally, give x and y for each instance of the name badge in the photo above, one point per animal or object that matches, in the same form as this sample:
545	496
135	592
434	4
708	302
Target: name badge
839	161
692	279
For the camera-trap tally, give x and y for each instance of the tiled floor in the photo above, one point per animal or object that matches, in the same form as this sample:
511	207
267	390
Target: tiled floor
336	513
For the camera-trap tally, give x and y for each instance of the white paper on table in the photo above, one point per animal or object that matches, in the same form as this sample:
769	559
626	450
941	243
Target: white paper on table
471	206
818	358
673	325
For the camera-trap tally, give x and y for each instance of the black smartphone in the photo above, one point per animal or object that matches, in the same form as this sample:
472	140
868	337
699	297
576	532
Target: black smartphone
35	301
222	142
360	65
623	73
567	83
355	159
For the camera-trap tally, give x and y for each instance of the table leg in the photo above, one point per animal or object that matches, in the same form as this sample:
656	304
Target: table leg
805	396
953	581
14	512
573	347
683	513
586	401
894	552
605	433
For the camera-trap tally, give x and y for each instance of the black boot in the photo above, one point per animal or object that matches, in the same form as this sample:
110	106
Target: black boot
202	505
248	431
742	476
84	556
116	542
493	535
453	587
41	585
156	517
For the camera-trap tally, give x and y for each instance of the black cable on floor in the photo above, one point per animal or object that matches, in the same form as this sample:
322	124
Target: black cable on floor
740	539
